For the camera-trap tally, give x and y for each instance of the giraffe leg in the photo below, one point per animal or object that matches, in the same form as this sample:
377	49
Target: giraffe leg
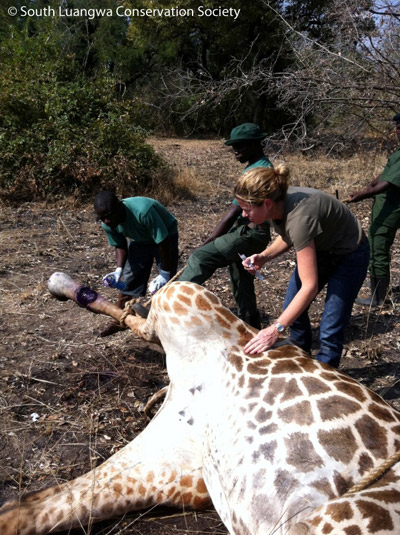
162	466
64	287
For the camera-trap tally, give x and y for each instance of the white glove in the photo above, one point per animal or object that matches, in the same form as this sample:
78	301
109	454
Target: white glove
116	274
159	281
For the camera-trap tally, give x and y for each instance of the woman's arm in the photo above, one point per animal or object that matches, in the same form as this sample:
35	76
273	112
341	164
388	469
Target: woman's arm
308	273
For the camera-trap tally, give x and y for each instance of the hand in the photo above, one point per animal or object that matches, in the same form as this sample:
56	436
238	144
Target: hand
253	263
116	274
160	281
263	341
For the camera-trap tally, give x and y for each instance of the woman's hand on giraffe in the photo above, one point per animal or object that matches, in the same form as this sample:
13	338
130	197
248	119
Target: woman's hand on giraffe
263	341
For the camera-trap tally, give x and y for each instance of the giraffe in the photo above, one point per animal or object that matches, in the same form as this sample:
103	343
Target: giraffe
275	441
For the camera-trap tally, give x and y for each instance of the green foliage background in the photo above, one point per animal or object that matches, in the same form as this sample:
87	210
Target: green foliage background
80	95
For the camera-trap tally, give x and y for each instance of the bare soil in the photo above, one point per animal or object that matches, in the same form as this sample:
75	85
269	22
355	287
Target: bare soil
68	398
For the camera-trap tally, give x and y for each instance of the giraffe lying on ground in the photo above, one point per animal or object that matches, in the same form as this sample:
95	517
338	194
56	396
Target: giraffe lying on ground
274	441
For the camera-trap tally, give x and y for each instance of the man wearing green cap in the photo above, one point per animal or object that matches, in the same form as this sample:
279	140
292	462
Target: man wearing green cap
385	221
234	234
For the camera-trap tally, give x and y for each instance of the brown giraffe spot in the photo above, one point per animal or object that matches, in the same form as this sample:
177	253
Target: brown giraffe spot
129	491
340	511
365	464
324	486
285	483
342	485
352	530
241	381
169	292
387	496
171	491
186	481
262	415
179	308
185	300
172	477
340	444
174	320
222	323
381	412
201	503
201	486
285	366
236	361
333	406
254	368
327	528
299	413
267	429
202	303
307	363
226	314
142	490
275	387
254	387
44	519
373	435
379	518
292	390
330	376
351	389
315	386
187	497
213	298
301	453
268	449
316	521
187	289
166	306
117	488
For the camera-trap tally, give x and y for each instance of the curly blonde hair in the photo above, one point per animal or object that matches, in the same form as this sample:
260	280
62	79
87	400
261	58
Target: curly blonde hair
261	183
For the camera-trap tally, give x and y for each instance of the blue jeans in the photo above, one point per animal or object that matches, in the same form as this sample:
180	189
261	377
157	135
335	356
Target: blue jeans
343	284
139	264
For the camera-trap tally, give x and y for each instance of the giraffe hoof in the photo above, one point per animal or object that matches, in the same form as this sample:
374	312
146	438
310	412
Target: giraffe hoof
140	310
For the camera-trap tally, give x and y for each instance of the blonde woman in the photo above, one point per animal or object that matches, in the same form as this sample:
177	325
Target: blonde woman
331	249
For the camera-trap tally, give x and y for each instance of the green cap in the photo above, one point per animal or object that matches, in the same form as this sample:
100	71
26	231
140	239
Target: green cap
245	132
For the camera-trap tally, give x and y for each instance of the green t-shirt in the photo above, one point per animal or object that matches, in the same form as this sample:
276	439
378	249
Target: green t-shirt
391	174
262	162
147	221
311	214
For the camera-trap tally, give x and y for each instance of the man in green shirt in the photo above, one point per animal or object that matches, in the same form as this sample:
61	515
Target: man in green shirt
152	232
234	234
385	220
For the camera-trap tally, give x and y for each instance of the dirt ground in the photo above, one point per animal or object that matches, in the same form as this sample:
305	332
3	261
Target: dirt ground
68	398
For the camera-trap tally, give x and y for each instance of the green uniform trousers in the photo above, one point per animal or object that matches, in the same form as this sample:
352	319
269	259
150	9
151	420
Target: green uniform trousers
224	251
385	221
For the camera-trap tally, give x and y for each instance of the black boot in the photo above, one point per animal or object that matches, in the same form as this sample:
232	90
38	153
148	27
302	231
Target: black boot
379	289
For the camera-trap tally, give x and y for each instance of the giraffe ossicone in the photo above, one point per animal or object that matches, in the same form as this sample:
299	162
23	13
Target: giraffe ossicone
274	441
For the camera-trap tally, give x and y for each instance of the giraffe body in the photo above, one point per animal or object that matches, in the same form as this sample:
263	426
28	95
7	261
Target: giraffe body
274	440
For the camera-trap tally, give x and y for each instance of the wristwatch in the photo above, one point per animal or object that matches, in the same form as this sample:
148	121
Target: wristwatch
279	327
